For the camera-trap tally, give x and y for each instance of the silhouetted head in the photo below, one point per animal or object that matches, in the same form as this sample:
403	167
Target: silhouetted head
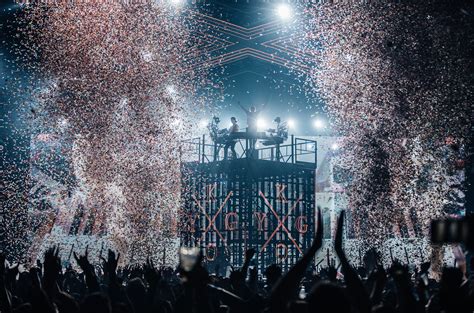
233	120
273	273
326	297
96	303
452	296
253	108
66	303
136	289
136	292
236	279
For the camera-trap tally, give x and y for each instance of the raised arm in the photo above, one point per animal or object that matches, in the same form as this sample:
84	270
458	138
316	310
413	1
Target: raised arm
52	271
357	292
380	279
88	269
288	285
248	257
39	299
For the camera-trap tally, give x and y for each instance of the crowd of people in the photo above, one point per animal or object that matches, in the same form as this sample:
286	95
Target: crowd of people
48	288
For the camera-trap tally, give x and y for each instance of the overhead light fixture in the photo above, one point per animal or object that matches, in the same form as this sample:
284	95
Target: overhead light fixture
177	2
203	123
284	11
291	123
261	123
319	123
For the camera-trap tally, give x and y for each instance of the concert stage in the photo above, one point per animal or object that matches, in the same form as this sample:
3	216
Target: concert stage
263	200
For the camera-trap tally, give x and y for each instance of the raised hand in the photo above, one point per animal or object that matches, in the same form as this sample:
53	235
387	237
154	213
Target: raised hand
110	265
358	295
91	278
249	253
253	274
248	256
283	289
52	263
399	273
126	272
39	265
332	271
83	261
338	239
401	276
35	274
51	271
7	274
152	276
425	267
380	279
318	239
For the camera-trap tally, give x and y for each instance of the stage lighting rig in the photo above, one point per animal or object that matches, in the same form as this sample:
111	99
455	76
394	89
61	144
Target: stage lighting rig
177	2
284	11
203	123
261	124
319	123
291	123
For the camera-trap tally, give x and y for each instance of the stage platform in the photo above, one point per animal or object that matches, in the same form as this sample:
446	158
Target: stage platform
263	199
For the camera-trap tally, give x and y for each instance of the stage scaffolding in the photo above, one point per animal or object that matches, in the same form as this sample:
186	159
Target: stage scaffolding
264	199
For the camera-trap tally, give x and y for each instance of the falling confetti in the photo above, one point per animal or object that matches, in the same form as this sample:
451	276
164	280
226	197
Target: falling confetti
395	78
112	90
112	82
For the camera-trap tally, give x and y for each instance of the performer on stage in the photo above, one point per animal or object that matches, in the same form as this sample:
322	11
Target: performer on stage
214	128
252	118
281	129
231	141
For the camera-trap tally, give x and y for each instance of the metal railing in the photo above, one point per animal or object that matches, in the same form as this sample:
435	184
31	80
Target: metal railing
297	151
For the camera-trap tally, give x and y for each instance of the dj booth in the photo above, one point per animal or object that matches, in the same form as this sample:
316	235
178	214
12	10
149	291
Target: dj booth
264	199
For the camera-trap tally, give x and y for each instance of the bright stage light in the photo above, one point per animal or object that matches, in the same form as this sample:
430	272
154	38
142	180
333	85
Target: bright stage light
334	146
284	11
291	123
203	123
261	123
319	123
177	2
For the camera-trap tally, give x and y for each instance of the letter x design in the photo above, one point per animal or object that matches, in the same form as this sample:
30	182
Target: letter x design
280	222
212	221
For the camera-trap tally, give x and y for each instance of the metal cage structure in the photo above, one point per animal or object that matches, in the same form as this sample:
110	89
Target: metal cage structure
265	203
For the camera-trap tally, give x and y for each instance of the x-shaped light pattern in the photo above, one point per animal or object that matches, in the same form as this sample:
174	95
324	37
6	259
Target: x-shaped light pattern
219	35
281	222
212	221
